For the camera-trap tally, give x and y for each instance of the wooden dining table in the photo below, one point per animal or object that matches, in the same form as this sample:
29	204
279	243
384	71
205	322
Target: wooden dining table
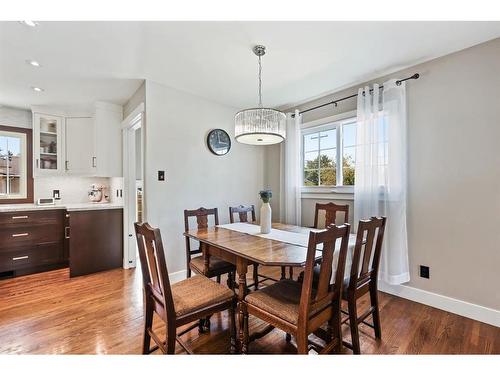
243	249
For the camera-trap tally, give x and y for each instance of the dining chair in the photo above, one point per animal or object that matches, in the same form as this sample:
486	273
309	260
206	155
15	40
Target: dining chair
363	278
216	267
331	209
176	304
243	216
297	308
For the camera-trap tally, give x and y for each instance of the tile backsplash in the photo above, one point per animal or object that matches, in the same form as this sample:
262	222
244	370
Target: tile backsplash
75	189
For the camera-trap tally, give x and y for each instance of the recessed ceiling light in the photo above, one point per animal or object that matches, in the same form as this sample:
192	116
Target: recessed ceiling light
29	23
37	89
33	63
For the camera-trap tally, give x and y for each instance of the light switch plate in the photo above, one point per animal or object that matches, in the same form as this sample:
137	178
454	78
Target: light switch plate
161	175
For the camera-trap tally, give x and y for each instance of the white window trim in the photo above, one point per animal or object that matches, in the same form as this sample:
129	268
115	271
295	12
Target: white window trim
339	192
23	191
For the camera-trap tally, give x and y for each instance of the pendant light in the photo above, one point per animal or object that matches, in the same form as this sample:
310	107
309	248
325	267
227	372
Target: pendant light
260	126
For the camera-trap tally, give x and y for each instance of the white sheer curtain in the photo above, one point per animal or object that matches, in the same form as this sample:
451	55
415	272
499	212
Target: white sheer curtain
291	170
381	172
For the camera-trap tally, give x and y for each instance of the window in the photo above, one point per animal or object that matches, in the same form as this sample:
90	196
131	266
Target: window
325	149
16	184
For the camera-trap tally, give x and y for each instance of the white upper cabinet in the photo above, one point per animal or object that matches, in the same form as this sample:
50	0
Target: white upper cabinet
78	144
80	147
48	144
108	140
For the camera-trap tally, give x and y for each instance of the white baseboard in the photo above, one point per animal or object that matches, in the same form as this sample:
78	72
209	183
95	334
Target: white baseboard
456	306
177	276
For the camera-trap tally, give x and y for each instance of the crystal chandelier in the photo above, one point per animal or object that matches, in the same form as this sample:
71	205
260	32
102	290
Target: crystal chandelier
260	126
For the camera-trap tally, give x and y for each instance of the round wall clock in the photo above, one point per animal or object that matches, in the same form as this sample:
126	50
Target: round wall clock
218	142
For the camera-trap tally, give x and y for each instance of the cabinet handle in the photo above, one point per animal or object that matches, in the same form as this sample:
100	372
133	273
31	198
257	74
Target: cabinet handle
19	234
36	163
66	232
66	165
94	162
19	258
19	217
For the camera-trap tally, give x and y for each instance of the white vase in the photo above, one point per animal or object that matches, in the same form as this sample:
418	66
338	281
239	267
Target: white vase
265	218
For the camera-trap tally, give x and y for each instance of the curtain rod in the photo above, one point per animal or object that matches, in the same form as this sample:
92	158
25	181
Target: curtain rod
334	102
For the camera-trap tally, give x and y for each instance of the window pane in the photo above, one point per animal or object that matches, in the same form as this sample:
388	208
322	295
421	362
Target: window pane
311	160
327	159
14	155
328	176
12	164
3	185
328	139
311	142
349	134
3	157
14	185
311	177
349	160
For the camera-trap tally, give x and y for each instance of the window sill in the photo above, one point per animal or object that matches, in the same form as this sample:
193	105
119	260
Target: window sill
332	192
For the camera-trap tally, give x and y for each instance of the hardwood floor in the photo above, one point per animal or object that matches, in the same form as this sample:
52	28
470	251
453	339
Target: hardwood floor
49	313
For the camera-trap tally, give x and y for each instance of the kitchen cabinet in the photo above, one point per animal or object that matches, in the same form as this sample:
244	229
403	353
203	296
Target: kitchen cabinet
108	140
80	146
48	144
31	241
95	241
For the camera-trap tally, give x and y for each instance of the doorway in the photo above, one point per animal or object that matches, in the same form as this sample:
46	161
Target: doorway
133	182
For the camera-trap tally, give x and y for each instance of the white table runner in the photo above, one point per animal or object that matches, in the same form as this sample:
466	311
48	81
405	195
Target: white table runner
299	239
293	238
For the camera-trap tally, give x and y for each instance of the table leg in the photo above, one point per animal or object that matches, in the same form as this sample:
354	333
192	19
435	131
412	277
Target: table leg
206	257
242	268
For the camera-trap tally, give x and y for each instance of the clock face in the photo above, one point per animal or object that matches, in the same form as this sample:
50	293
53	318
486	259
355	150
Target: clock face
218	142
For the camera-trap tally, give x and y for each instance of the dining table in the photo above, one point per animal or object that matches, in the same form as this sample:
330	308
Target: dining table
243	244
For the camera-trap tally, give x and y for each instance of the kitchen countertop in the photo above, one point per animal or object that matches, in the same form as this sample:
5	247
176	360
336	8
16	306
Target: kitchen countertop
87	206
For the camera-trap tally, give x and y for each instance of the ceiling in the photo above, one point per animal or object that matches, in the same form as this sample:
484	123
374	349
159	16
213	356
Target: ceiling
87	61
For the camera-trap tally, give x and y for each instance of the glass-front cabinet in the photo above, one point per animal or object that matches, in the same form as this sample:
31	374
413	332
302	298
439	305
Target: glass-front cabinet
48	145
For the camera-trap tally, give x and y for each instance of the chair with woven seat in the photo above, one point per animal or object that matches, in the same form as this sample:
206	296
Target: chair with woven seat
243	216
216	266
176	304
363	278
297	308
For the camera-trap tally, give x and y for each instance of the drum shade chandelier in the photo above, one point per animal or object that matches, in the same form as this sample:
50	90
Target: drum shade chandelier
260	126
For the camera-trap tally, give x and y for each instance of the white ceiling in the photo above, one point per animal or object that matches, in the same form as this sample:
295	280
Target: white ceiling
88	61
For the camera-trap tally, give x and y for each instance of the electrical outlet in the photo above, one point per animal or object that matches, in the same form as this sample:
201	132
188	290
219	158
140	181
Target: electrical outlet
425	272
161	175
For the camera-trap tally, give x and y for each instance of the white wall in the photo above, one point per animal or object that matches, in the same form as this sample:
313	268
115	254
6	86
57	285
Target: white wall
136	99
20	118
177	124
454	172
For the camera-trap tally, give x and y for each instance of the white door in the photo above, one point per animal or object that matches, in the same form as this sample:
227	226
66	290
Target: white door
80	147
48	145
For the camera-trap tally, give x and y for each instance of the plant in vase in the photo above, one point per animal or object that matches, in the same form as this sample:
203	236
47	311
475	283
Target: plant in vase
265	211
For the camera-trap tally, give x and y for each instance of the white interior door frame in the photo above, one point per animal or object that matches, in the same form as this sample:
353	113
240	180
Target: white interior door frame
133	122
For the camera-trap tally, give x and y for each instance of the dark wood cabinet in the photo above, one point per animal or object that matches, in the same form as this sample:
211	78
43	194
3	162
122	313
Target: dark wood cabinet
95	241
31	241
